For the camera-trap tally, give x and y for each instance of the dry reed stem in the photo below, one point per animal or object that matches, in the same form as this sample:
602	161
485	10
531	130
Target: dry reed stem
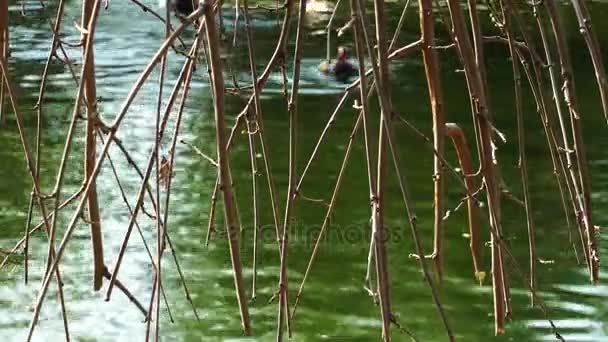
167	22
584	22
127	293
399	26
150	165
200	153
478	44
87	46
277	57
481	118
90	95
412	218
320	140
216	188
481	68
521	142
182	278
39	226
364	98
230	214
464	157
161	225
402	52
107	274
484	130
112	132
163	234
330	209
564	144
581	167
292	174
39	105
433	79
538	94
28	157
537	88
167	236
380	71
253	130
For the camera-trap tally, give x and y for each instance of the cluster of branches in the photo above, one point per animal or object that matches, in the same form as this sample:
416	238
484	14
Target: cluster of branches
532	62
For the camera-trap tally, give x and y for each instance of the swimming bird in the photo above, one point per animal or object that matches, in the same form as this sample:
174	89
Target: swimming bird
342	69
184	7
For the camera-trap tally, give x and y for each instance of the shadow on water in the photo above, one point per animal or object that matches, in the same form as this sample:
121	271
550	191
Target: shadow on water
334	305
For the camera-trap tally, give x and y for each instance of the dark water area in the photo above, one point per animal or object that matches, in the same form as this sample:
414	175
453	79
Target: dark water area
334	306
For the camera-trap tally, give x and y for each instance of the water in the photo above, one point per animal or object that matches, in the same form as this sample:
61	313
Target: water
334	305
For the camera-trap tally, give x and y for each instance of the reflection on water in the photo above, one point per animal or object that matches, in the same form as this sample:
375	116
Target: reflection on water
334	305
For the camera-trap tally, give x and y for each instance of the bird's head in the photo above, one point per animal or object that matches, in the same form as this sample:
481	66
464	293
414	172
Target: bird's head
341	54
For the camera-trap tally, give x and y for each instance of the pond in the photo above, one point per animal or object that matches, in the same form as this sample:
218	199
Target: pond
334	305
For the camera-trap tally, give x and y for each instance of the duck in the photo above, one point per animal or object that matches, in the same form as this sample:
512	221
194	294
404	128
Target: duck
342	69
184	7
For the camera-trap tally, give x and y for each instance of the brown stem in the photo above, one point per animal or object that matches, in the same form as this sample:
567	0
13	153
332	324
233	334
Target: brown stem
107	274
380	70
36	186
187	72
521	142
464	157
291	194
538	91
230	214
581	167
90	96
481	117
252	132
112	132
433	78
330	209
584	23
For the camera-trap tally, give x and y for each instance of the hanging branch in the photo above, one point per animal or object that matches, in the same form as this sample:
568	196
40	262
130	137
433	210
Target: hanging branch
90	95
150	164
112	132
39	106
433	79
566	147
466	165
380	71
28	157
481	118
481	68
330	209
277	57
521	142
230	213
160	225
107	274
584	23
291	194
253	130
363	97
538	91
581	166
